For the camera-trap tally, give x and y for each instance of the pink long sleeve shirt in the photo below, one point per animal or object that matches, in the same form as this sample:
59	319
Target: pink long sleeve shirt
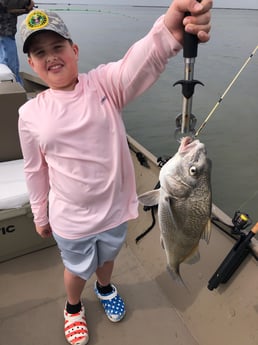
78	168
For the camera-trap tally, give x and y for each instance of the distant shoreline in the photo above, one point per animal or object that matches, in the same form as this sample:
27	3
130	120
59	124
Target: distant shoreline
137	6
214	8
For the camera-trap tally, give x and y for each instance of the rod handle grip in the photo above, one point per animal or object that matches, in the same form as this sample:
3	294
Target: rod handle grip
190	46
255	228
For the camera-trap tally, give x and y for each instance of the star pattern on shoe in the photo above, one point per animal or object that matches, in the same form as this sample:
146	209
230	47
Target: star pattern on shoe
112	303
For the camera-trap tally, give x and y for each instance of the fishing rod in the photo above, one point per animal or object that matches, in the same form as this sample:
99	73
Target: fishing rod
226	91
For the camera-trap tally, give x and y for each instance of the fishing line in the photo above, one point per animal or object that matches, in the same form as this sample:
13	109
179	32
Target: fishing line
225	92
251	197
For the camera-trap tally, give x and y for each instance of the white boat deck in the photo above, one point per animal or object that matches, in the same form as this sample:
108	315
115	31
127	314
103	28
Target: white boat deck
32	301
32	298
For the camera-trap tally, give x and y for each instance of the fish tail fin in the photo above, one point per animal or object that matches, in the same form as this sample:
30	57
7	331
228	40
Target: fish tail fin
175	274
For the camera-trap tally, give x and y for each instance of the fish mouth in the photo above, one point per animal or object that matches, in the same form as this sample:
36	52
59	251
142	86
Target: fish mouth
187	143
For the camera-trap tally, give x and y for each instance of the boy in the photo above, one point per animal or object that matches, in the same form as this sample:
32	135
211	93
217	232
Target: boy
75	150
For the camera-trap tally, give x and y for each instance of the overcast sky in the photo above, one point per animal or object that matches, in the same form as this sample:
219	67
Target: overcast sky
216	3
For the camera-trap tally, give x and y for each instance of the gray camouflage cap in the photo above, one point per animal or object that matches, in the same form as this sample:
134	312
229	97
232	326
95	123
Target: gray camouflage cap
39	20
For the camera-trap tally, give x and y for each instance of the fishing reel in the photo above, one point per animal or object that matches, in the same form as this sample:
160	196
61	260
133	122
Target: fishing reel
240	222
238	253
161	161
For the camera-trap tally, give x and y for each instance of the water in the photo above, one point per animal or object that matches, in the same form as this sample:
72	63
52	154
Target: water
105	32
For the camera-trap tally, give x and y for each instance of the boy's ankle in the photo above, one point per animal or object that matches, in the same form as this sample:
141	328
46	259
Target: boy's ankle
73	308
104	289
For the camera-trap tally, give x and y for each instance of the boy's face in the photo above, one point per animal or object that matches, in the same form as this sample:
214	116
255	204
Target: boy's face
54	59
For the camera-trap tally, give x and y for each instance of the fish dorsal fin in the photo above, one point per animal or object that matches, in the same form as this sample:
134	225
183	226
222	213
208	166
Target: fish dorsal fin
150	198
206	235
194	257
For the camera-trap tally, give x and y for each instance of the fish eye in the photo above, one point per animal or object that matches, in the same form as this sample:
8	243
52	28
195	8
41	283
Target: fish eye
193	170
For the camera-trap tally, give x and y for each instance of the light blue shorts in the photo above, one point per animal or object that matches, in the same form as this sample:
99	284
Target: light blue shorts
83	256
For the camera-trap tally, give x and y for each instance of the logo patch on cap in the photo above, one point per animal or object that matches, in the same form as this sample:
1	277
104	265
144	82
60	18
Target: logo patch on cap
36	20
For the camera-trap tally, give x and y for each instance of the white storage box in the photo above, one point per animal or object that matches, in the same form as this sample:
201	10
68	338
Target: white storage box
6	74
17	230
13	188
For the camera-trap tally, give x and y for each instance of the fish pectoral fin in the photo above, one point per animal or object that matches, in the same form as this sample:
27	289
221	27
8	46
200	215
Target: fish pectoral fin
150	198
206	235
194	257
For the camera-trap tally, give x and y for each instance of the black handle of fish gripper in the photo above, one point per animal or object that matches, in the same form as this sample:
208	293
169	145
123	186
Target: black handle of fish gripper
190	47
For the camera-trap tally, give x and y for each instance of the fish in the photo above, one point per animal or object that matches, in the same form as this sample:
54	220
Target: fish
184	202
